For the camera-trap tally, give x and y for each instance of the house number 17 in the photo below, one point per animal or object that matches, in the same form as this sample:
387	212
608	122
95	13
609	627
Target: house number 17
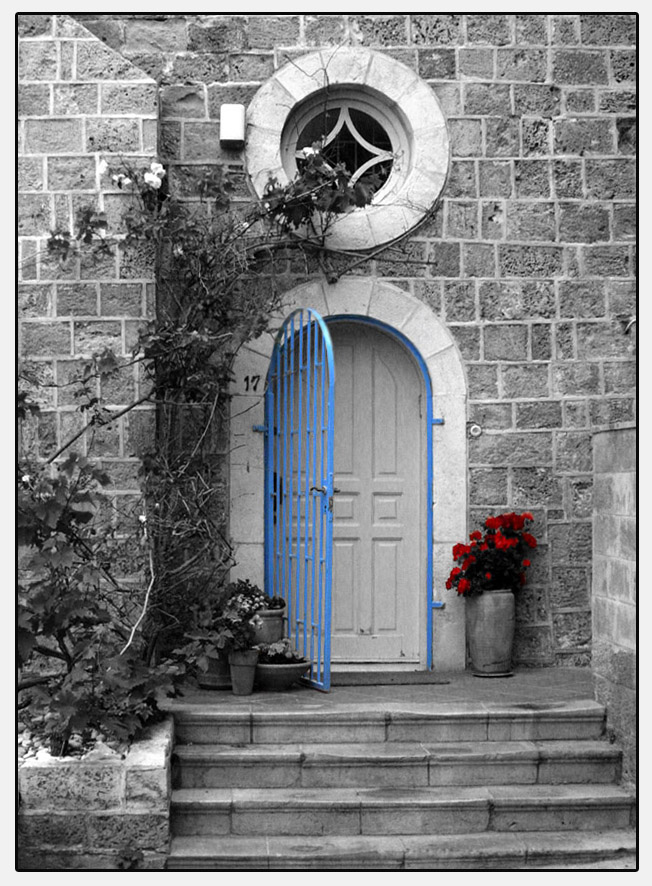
251	382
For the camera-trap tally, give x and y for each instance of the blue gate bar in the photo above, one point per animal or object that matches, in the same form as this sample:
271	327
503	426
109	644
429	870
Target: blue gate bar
299	409
298	433
315	565
307	496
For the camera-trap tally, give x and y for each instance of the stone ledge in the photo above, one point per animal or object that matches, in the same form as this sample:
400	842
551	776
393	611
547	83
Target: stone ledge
97	809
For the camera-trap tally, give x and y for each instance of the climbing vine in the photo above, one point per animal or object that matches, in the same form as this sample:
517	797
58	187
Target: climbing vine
96	650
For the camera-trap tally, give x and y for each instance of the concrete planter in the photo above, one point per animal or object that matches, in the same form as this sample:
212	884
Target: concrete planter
279	677
271	630
490	632
100	812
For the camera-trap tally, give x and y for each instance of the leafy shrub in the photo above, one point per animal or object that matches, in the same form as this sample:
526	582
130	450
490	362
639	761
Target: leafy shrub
80	669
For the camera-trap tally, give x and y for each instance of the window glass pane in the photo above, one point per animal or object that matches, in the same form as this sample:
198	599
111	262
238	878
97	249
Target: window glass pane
365	141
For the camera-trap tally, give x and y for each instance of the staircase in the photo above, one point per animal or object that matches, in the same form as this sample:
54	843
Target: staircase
456	786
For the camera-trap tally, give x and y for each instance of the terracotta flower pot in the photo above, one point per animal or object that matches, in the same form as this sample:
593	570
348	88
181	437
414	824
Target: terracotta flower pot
242	664
490	632
271	630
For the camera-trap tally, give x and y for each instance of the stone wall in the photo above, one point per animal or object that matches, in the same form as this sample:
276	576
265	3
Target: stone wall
529	258
614	586
80	103
101	812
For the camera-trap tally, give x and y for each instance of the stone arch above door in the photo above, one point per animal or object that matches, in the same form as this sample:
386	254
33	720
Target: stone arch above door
427	334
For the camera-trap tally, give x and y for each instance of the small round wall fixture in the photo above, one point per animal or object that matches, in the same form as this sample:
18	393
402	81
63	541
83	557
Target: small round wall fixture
366	110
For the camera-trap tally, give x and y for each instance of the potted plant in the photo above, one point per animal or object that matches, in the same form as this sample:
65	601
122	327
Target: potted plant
271	614
226	624
236	629
204	651
279	666
489	570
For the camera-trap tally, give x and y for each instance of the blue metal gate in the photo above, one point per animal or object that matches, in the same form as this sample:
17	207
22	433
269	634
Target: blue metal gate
299	408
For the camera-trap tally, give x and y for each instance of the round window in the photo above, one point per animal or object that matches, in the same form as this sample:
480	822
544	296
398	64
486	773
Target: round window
354	130
367	111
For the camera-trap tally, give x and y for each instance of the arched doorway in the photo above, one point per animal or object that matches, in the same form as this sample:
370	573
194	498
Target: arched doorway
444	488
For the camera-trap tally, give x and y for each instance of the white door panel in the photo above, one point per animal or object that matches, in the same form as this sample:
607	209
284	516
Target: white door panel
378	557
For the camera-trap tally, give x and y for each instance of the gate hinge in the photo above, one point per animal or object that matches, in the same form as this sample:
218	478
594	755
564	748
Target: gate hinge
438	421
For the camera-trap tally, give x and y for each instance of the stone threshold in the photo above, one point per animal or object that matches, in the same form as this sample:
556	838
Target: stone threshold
352	676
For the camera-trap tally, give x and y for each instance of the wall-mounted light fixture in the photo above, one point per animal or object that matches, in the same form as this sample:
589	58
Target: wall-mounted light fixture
232	127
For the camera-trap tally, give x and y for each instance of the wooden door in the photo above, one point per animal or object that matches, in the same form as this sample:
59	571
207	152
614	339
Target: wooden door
378	520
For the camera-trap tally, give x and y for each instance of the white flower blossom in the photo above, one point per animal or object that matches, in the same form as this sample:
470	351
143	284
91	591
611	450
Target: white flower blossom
26	478
142	518
103	166
126	180
152	180
157	169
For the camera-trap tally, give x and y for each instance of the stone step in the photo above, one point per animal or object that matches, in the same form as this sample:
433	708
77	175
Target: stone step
479	851
395	764
393	722
408	811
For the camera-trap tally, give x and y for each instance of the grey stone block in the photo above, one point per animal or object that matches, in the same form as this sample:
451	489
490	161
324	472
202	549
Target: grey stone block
608	30
492	29
580	66
436	29
33	99
380	30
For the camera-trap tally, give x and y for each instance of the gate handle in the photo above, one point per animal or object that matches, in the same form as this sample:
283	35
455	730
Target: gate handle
321	489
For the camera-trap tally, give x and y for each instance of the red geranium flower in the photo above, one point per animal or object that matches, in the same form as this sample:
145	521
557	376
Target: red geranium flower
495	558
